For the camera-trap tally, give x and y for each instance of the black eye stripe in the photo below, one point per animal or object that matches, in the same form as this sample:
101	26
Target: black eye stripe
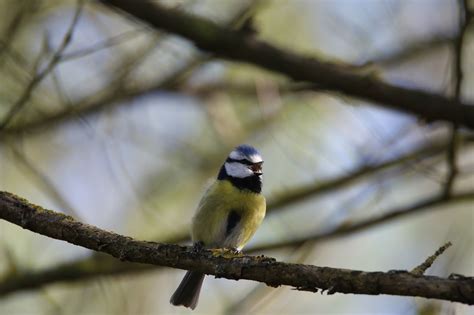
246	162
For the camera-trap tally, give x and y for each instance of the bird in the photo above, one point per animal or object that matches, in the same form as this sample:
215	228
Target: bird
228	215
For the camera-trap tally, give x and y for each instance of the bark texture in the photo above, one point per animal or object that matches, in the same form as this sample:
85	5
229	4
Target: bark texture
258	268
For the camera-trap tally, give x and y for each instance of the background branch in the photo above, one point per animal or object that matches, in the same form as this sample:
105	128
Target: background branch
457	74
239	46
38	78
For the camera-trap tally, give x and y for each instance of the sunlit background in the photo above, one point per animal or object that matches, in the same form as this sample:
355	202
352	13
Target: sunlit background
130	126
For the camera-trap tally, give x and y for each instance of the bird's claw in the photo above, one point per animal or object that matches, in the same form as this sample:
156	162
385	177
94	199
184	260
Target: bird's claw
226	252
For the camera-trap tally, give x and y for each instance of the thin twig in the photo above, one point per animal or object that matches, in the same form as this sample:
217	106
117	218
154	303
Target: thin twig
38	78
458	45
46	183
421	269
309	191
104	44
429	203
411	50
11	31
114	97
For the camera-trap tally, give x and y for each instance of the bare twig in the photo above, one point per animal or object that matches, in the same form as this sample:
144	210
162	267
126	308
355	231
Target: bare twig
421	269
44	180
11	31
258	268
308	191
411	50
105	99
104	44
38	78
114	96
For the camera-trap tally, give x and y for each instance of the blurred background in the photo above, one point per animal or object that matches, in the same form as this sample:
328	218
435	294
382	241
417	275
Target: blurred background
123	127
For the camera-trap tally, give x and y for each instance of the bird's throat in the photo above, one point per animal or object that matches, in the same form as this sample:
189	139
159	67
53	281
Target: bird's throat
252	183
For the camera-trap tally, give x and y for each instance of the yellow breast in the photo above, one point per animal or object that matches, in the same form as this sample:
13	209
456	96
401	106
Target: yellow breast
210	222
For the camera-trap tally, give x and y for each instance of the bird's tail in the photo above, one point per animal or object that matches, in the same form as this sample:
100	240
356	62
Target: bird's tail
187	293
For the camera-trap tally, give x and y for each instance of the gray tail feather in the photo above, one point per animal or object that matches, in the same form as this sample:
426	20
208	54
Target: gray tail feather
187	293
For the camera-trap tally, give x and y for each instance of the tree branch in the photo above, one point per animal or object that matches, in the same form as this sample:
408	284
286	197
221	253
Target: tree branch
99	265
236	45
263	269
79	270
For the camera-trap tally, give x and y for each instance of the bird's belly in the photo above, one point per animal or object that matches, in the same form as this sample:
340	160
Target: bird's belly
228	217
244	230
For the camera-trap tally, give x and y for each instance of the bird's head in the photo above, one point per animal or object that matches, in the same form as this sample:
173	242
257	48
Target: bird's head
244	161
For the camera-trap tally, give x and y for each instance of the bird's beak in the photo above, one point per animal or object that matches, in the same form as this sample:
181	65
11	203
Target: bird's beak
256	168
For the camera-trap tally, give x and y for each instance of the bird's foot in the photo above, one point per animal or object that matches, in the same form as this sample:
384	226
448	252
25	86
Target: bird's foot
226	252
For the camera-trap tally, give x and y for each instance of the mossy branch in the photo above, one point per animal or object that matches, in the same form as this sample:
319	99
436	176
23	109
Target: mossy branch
263	269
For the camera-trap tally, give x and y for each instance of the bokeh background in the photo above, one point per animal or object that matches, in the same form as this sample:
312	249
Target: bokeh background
127	126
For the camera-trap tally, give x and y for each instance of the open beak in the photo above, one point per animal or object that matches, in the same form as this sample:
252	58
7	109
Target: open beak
257	168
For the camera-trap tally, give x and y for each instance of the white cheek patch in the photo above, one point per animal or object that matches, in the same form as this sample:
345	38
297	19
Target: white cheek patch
236	169
236	155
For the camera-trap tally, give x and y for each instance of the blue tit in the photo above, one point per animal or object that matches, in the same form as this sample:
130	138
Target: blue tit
228	214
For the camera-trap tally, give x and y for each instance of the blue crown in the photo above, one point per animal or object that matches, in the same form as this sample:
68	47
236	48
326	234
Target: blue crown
247	150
